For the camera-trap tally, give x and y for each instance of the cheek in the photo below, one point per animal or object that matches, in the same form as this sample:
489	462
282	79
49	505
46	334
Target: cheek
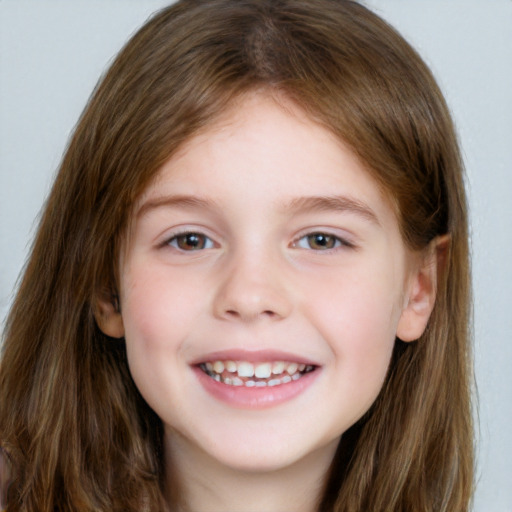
158	311
358	318
159	306
364	305
157	318
362	337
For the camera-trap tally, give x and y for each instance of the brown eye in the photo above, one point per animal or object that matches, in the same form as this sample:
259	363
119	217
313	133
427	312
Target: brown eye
191	242
320	242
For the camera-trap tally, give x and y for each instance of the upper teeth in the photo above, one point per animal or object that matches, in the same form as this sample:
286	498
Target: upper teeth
260	370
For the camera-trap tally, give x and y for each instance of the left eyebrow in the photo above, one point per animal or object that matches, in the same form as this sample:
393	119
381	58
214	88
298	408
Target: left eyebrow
329	203
178	201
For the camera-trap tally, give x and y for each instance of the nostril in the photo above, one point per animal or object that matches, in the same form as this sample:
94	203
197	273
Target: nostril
242	303
233	313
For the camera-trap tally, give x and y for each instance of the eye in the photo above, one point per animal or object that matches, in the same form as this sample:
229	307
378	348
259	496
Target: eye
320	242
190	242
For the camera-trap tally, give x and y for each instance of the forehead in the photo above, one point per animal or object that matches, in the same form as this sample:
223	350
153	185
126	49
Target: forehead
265	145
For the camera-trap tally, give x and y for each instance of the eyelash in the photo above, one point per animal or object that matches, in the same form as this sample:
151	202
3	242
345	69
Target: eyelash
323	238
174	241
327	241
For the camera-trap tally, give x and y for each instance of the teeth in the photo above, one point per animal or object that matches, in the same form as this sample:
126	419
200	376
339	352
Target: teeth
245	370
237	381
292	368
263	371
278	368
243	373
218	367
231	366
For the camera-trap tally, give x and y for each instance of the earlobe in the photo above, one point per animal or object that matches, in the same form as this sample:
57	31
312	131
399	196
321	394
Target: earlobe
108	317
422	290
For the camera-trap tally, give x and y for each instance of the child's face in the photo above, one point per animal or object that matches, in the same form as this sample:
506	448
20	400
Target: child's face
263	240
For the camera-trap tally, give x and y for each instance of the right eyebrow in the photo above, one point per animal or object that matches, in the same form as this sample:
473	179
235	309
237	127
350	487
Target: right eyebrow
183	201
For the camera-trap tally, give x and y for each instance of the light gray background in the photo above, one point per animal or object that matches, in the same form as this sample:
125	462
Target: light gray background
53	51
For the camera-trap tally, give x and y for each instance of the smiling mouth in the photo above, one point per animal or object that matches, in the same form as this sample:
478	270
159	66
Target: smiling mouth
264	374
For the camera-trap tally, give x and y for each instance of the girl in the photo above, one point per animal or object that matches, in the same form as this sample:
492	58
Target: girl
249	290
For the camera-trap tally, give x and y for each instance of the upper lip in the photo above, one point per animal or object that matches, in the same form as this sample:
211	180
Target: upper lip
254	356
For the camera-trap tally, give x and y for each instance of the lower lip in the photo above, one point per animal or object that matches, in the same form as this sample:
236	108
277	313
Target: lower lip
255	397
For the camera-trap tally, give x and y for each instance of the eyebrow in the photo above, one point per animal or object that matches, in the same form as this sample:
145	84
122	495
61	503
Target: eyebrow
183	201
296	205
330	203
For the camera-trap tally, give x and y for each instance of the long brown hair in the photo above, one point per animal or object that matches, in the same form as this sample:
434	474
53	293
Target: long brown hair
78	434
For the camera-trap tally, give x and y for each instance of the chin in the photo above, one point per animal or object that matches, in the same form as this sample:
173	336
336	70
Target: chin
263	463
267	453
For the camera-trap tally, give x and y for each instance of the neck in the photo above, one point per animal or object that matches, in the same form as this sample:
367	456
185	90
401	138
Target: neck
198	483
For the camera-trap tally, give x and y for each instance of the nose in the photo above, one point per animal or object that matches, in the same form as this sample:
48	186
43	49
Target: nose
253	288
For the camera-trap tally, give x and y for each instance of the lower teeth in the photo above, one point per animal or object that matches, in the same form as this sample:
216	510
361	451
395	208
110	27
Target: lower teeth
250	383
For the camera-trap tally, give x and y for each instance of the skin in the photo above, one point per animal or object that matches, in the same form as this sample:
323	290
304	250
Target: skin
257	283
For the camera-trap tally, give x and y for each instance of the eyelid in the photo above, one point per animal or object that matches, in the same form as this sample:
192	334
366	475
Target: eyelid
186	230
342	242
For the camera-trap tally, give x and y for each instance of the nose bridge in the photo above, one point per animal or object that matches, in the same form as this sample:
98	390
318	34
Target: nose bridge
253	284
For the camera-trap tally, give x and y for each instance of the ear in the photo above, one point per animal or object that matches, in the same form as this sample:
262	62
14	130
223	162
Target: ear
108	316
421	294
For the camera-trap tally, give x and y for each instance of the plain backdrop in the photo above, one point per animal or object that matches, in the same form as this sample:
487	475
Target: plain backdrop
53	51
